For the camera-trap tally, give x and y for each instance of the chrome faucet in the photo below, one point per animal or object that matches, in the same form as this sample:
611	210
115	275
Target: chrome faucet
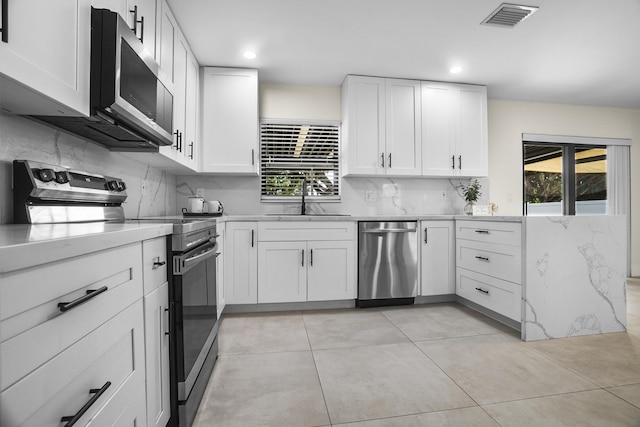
303	208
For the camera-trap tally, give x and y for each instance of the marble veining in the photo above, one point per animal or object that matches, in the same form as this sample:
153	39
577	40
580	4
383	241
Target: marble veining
575	276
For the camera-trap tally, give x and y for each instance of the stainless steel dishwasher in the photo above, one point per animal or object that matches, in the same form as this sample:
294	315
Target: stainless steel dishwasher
387	263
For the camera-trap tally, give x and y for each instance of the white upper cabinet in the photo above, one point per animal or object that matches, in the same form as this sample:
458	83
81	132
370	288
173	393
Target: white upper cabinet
229	121
140	15
454	130
381	126
45	57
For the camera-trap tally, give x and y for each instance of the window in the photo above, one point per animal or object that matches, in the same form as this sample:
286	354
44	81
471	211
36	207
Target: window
291	152
565	179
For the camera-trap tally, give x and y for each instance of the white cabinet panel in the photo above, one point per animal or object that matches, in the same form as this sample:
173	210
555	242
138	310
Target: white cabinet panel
241	263
229	121
331	272
403	130
498	295
506	233
454	130
437	258
156	327
44	66
282	272
497	260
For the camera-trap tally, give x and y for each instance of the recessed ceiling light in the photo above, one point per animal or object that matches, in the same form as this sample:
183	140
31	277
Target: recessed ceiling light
250	55
455	70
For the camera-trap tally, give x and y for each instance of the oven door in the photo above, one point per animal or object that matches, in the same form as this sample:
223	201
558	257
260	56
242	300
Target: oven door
196	313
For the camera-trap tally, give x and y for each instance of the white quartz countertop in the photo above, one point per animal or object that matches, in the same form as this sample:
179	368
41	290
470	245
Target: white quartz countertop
340	217
25	245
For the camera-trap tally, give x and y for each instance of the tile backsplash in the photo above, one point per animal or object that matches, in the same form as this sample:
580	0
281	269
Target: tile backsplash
24	138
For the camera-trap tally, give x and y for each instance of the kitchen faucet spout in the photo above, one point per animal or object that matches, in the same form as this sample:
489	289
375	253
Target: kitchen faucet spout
303	208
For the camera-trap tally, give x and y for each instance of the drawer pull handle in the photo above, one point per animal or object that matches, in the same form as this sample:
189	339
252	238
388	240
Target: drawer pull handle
482	290
482	231
482	258
64	306
97	392
158	263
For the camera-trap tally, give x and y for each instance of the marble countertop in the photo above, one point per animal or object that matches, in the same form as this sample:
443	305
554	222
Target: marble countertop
339	217
26	245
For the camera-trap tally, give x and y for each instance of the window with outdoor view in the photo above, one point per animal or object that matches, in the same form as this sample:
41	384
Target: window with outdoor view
291	152
565	179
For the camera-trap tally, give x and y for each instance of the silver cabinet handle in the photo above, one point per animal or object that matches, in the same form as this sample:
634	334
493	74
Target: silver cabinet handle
253	155
390	230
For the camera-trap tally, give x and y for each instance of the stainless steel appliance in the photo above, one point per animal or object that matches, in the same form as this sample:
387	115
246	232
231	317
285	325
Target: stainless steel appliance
46	193
387	263
131	99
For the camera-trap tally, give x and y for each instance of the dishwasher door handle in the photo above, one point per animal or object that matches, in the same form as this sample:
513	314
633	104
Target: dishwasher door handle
390	230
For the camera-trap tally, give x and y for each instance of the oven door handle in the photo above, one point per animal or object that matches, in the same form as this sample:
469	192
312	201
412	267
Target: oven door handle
182	265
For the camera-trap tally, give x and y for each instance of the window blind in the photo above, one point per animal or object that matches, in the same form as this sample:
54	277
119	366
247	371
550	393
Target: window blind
293	152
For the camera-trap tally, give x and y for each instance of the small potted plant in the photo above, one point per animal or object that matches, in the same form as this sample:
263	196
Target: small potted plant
471	195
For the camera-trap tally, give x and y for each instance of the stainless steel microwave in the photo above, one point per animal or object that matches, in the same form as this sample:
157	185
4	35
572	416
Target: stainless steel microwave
131	98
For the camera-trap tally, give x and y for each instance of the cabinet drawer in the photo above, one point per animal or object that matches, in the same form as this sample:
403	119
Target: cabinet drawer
310	230
154	263
495	294
30	337
501	261
114	353
506	233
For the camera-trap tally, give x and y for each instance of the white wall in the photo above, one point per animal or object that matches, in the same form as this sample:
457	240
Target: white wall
508	120
23	138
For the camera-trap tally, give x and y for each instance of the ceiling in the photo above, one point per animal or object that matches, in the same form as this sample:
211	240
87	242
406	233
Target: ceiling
570	51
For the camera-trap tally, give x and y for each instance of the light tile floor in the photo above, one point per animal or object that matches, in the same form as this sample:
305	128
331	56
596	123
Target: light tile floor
423	365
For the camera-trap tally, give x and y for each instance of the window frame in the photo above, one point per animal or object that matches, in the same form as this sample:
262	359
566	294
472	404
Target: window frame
310	198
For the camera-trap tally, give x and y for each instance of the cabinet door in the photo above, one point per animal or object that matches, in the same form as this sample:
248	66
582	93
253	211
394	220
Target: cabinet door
364	120
331	271
438	258
156	325
180	90
230	121
241	263
167	37
403	127
44	65
438	133
192	87
282	268
472	145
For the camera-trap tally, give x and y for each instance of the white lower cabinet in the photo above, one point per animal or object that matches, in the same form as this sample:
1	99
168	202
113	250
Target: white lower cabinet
437	265
300	262
489	265
241	263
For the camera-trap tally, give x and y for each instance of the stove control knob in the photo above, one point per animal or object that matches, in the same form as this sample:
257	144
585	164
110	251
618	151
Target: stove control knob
113	185
45	175
62	177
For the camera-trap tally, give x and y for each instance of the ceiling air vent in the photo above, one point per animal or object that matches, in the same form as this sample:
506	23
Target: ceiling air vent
507	15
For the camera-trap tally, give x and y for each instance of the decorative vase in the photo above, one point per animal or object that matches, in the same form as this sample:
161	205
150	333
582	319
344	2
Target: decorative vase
468	208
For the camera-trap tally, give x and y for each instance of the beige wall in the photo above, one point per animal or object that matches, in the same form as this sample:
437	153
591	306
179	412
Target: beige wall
508	120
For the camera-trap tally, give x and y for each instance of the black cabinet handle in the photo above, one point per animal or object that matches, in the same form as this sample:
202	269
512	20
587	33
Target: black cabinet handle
311	258
482	231
253	155
5	21
158	263
482	258
382	159
137	21
141	21
172	312
97	392
303	257
453	162
459	162
191	148
65	306
425	236
389	160
482	290
180	142
176	133
252	233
